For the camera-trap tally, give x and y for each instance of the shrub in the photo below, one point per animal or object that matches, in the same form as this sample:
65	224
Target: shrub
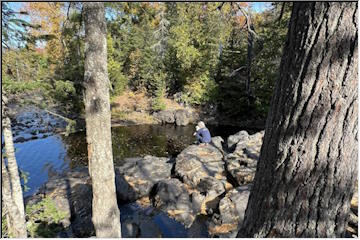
44	220
64	90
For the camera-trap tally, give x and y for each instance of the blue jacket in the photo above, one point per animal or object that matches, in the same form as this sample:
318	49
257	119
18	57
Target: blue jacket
203	135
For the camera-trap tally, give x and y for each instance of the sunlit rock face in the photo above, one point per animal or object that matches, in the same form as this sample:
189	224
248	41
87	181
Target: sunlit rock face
136	177
197	162
241	164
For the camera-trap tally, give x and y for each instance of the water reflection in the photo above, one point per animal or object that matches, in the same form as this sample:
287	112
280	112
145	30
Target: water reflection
41	158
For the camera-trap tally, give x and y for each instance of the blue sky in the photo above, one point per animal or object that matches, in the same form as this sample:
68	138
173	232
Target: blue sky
257	6
260	6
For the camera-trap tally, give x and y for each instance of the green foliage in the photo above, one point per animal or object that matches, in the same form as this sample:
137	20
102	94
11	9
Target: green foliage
44	220
14	87
24	176
64	90
175	48
159	91
117	79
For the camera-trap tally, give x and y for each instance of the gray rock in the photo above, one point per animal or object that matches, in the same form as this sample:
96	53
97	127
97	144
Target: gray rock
197	162
211	187
172	197
182	117
242	169
241	164
251	147
165	116
232	210
194	117
217	142
136	177
197	200
238	137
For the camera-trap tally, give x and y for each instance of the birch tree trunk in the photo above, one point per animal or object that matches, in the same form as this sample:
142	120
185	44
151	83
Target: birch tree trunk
16	225
105	211
308	163
12	191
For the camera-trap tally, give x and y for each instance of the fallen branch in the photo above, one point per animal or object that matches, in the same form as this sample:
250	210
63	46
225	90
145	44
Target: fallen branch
233	73
60	116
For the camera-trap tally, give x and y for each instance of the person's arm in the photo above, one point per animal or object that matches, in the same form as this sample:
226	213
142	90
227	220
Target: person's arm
199	135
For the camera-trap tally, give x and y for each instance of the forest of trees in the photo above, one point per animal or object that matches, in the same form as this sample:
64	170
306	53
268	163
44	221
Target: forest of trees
219	54
202	53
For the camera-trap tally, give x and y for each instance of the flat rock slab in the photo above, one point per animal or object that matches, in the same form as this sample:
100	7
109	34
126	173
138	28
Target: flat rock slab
197	162
136	177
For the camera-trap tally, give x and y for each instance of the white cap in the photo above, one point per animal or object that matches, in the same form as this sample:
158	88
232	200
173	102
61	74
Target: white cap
201	124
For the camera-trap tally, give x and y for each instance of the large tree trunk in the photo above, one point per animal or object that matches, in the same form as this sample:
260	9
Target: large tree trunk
12	191
308	164
106	215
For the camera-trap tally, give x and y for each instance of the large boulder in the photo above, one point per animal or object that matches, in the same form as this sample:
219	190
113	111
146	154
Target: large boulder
172	197
136	177
251	146
197	162
165	116
182	117
238	137
241	164
232	210
211	189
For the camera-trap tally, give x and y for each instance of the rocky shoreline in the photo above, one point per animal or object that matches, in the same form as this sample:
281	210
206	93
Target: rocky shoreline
200	183
205	188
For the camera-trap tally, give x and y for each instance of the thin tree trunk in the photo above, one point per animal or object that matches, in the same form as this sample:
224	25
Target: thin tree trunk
250	44
16	225
308	163
106	215
12	168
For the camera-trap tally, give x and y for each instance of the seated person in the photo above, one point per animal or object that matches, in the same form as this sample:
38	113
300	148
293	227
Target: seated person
202	133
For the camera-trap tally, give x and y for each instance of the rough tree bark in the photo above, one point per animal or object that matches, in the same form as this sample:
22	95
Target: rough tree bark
307	168
105	211
12	191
